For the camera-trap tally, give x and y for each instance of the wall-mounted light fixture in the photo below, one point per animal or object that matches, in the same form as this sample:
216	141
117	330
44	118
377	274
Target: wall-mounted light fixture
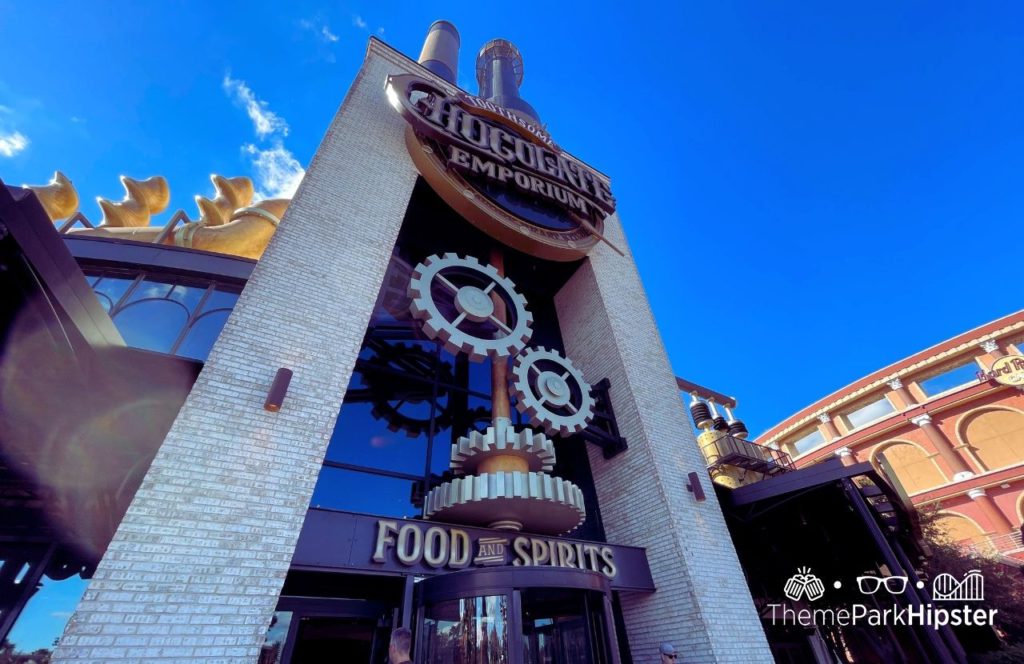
695	488
278	389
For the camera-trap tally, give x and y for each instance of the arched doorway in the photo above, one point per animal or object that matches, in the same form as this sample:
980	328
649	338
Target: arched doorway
958	529
996	436
915	470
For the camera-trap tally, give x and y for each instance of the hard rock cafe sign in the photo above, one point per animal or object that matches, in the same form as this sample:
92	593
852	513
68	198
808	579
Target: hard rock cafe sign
502	173
1007	370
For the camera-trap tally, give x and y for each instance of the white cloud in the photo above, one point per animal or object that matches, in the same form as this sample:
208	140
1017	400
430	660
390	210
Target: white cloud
12	143
358	22
264	121
321	30
278	172
5	109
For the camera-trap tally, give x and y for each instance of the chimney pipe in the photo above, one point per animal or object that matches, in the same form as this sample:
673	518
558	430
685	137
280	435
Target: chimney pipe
440	52
499	72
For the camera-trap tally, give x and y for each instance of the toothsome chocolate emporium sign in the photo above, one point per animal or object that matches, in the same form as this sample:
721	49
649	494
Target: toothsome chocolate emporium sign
501	172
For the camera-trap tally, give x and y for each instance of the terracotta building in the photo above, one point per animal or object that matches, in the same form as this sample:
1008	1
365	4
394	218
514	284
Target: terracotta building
947	424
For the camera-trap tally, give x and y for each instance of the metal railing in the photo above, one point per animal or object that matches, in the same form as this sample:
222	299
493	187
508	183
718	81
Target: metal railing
731	451
998	545
178	218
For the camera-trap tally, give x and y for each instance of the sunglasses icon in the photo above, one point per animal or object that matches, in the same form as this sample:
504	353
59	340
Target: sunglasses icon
869	585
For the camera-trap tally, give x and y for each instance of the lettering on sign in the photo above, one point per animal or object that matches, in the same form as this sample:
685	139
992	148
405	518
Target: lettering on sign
1007	370
501	172
447	547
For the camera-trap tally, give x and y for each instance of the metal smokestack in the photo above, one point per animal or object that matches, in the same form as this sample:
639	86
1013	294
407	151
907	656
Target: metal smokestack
440	52
499	72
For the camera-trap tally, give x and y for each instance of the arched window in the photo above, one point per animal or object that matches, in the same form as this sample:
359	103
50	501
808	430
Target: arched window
913	467
996	436
958	529
203	333
153	324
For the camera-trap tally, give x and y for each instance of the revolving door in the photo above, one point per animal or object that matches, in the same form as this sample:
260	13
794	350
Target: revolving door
515	615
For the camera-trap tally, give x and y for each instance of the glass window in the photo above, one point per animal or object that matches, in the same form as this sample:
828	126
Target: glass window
158	325
112	289
471	630
153	324
355	491
188	296
809	442
149	290
277	634
221	299
42	621
869	413
204	331
362	435
105	301
950	379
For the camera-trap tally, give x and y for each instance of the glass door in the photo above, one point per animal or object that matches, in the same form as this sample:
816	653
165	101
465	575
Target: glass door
563	626
515	615
311	631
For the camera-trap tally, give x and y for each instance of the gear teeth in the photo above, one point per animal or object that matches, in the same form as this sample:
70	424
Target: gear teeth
475	500
534	409
435	324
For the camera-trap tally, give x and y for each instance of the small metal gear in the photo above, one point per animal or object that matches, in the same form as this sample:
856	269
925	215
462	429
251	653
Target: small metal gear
452	296
551	392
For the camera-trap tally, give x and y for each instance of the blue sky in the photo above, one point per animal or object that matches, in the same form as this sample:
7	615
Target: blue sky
811	190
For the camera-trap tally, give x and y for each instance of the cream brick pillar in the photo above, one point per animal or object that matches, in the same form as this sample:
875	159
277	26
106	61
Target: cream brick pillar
702	604
194	571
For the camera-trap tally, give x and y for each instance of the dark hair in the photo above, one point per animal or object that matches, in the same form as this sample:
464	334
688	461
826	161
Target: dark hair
401	639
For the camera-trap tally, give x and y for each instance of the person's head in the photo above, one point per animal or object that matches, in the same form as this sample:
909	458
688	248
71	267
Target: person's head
668	653
401	644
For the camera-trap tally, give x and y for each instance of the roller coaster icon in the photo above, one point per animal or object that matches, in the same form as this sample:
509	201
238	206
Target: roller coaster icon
946	588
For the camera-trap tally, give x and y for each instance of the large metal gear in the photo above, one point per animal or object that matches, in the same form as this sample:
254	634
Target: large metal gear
405	404
551	392
534	502
452	296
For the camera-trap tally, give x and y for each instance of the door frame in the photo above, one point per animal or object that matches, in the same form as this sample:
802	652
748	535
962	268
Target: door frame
509	582
326	607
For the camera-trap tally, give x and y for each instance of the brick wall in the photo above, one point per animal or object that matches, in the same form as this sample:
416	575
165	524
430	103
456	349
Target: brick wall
194	571
702	604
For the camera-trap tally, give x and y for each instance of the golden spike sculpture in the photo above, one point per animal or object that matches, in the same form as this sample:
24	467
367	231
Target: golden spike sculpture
143	199
58	198
232	194
246	234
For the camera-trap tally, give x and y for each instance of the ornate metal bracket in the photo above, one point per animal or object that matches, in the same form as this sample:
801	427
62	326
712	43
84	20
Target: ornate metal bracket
604	430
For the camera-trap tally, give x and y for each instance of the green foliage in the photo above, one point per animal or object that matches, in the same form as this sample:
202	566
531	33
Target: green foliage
1011	654
1004	582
